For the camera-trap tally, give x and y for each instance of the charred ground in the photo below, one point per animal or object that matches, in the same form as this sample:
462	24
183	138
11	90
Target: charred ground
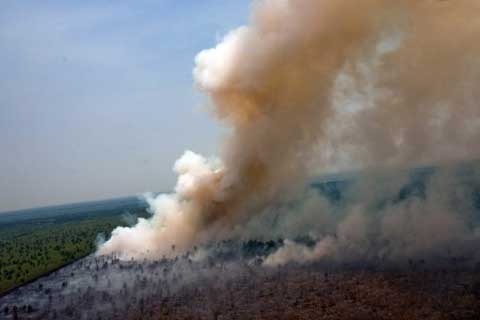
237	286
229	279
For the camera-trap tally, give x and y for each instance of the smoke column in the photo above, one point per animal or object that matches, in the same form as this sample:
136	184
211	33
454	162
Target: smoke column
311	84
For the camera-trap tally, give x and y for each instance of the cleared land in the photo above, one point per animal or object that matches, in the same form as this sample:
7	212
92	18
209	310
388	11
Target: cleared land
105	288
229	282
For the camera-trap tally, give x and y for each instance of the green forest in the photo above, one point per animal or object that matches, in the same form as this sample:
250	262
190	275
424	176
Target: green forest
31	248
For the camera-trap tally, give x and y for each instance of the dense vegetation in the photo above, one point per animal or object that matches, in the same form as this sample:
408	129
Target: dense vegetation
31	248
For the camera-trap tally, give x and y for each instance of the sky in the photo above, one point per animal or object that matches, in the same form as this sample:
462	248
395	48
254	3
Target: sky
97	98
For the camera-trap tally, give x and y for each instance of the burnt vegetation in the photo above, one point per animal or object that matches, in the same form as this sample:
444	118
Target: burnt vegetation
237	286
229	280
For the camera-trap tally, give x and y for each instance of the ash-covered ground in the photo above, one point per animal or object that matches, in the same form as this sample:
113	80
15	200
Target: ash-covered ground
429	269
233	284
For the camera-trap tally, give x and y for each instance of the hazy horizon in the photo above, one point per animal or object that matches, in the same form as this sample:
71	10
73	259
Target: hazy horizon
97	96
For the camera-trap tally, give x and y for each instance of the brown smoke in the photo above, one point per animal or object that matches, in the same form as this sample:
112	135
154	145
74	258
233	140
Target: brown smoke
366	83
428	108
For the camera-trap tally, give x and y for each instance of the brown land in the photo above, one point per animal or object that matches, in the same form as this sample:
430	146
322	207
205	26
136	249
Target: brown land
300	293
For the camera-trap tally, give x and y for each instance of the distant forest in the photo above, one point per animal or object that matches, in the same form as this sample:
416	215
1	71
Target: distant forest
37	241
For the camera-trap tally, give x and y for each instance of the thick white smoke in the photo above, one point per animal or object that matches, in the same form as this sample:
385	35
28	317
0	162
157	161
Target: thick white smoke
311	84
174	215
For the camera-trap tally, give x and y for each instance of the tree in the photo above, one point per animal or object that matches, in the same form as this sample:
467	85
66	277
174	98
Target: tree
15	314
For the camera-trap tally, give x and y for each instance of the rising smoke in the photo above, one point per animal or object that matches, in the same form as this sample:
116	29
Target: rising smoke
312	86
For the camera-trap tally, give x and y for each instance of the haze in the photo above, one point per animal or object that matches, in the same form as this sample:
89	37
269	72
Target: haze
97	97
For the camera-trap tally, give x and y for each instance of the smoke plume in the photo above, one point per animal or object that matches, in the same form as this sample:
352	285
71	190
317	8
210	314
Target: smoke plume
311	86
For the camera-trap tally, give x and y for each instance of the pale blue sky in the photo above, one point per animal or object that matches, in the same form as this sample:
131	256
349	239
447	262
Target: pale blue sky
97	98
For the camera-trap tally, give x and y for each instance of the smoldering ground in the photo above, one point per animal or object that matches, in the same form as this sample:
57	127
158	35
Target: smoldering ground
377	87
313	86
336	261
228	281
107	288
